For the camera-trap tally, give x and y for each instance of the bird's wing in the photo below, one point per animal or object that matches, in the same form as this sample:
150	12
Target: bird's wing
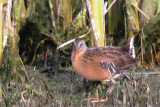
110	58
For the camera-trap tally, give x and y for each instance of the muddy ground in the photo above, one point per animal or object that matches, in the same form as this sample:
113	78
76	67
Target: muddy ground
66	88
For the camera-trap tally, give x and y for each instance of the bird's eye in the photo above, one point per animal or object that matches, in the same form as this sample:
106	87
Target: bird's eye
80	45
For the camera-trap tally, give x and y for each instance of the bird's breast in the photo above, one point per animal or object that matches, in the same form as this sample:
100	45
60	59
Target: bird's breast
89	70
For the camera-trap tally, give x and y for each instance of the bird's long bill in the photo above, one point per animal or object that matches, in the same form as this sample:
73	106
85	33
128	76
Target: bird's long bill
75	54
77	51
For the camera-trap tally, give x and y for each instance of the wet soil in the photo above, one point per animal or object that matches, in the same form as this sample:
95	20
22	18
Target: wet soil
68	89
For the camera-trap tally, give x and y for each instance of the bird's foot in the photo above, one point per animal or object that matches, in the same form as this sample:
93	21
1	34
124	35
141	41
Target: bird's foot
102	100
97	100
91	98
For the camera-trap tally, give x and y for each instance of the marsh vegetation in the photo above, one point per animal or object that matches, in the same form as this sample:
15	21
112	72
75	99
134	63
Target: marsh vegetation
33	72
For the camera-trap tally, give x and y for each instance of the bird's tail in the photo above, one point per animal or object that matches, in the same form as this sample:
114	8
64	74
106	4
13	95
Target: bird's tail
129	47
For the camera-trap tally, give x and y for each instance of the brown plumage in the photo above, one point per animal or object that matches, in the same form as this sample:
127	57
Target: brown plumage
102	63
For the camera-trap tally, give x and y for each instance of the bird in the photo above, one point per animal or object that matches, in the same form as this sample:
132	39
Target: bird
102	63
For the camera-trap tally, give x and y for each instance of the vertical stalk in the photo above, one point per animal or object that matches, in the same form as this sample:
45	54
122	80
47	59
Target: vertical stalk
97	43
132	17
52	14
142	58
115	16
14	32
66	12
110	27
98	15
7	23
1	28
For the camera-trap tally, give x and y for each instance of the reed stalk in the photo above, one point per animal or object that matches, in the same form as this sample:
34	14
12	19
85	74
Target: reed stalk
66	12
99	19
132	26
1	28
14	33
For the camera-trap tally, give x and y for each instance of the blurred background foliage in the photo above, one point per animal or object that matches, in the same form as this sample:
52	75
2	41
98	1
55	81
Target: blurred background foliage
50	23
66	19
31	31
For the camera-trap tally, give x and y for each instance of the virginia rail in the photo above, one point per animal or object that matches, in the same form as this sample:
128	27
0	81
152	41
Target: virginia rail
102	63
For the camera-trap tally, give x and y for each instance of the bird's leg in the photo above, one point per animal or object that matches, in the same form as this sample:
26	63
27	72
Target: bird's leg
109	91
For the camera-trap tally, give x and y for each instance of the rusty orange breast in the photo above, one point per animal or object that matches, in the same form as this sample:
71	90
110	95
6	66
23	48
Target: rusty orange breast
88	69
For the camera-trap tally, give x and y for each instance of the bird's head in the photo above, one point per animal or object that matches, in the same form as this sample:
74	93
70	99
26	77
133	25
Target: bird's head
79	46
